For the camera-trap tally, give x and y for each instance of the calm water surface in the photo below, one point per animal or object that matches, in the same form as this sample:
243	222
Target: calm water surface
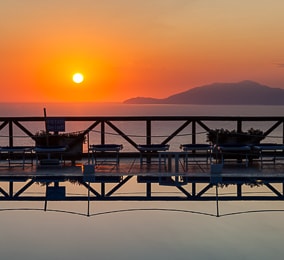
117	109
140	230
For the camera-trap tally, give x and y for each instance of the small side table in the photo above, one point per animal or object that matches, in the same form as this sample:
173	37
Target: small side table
167	157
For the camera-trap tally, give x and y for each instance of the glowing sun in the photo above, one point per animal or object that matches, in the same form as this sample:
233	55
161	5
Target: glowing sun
78	78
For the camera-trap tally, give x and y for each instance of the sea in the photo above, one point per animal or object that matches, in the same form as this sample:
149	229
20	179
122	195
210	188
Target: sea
139	230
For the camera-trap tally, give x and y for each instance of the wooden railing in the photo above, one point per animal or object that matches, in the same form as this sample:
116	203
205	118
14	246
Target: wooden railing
134	130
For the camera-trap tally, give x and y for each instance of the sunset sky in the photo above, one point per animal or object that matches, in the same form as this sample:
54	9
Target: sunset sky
127	48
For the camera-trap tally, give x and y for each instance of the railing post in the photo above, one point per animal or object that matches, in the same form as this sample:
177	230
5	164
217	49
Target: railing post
103	132
148	139
193	192
11	189
148	190
11	143
193	132
148	132
239	190
239	126
103	189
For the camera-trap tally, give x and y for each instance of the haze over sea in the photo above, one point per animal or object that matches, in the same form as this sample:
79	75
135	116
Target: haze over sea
119	109
140	230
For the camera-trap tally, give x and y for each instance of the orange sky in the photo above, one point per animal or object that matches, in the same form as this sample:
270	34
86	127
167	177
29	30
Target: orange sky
129	48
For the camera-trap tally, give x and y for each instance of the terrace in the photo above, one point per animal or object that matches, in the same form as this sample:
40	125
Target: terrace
188	172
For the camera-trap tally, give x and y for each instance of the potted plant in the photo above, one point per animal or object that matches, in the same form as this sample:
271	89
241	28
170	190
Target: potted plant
72	141
231	137
219	137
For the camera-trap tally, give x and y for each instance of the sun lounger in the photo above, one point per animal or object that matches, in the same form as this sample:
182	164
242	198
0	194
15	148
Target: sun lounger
50	151
233	151
148	150
105	150
198	153
271	151
152	147
16	155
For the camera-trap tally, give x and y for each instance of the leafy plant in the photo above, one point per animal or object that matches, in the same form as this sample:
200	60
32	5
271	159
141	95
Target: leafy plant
225	136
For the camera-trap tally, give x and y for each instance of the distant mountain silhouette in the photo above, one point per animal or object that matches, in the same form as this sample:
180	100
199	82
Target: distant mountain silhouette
241	93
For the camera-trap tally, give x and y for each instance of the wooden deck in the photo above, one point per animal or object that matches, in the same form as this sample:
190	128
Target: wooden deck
131	167
166	170
194	184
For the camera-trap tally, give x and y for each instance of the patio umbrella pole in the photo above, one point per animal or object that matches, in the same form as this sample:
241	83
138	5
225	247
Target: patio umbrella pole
88	213
45	201
217	201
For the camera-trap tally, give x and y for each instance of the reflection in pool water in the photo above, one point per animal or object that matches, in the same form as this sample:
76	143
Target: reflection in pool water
152	230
